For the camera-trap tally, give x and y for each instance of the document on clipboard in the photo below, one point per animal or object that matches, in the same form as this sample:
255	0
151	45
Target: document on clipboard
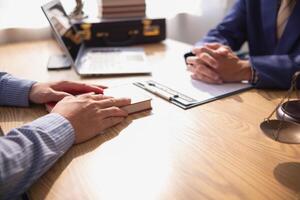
189	93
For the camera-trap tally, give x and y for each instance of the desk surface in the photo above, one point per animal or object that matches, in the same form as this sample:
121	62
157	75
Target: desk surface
213	151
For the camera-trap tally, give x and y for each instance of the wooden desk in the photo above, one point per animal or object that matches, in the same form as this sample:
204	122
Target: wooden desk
213	151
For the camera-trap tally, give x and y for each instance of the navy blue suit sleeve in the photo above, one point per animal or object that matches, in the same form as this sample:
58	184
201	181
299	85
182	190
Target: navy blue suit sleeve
275	71
232	31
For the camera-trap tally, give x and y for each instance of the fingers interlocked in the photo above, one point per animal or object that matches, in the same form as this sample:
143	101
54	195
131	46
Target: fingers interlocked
205	64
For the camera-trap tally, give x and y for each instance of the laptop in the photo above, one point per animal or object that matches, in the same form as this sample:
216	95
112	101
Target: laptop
93	61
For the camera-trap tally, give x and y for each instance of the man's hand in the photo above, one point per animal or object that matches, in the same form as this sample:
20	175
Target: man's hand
52	92
90	113
216	63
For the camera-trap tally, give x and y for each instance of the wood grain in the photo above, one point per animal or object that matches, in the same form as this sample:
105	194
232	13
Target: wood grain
213	151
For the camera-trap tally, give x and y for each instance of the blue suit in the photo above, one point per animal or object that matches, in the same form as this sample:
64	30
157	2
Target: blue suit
255	21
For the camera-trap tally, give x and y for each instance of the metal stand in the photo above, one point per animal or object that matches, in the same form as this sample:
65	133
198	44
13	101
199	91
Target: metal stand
286	127
78	13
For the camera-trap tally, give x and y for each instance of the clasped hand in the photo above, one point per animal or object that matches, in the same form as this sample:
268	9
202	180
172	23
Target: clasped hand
216	63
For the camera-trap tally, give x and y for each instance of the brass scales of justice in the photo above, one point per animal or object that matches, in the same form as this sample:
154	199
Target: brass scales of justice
78	12
286	128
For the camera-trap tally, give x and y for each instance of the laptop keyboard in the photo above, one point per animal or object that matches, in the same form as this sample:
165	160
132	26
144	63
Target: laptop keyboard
114	61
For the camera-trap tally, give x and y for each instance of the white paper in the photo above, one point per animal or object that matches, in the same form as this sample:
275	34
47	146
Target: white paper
181	81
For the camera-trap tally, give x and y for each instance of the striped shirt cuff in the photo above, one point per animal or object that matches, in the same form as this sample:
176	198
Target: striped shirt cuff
58	128
14	91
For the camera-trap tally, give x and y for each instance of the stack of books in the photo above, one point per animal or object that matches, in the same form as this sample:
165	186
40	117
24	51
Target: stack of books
122	8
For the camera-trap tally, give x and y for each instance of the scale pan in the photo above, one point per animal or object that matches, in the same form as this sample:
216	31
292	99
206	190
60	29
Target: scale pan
281	131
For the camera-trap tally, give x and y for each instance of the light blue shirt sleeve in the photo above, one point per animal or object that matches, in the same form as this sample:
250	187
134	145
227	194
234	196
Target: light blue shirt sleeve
14	91
29	151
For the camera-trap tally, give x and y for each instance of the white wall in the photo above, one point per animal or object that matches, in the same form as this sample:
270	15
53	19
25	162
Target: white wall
24	20
190	27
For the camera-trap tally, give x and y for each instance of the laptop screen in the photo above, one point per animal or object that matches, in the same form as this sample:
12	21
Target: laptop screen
64	32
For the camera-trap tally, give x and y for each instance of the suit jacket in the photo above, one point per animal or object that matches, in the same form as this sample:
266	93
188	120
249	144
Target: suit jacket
254	21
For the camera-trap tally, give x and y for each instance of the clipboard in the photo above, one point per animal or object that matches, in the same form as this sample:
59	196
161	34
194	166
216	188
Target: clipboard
178	98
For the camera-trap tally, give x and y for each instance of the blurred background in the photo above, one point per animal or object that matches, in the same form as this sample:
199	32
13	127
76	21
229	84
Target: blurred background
187	20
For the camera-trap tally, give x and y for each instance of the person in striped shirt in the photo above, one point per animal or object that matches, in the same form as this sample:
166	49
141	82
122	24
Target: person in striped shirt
27	152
